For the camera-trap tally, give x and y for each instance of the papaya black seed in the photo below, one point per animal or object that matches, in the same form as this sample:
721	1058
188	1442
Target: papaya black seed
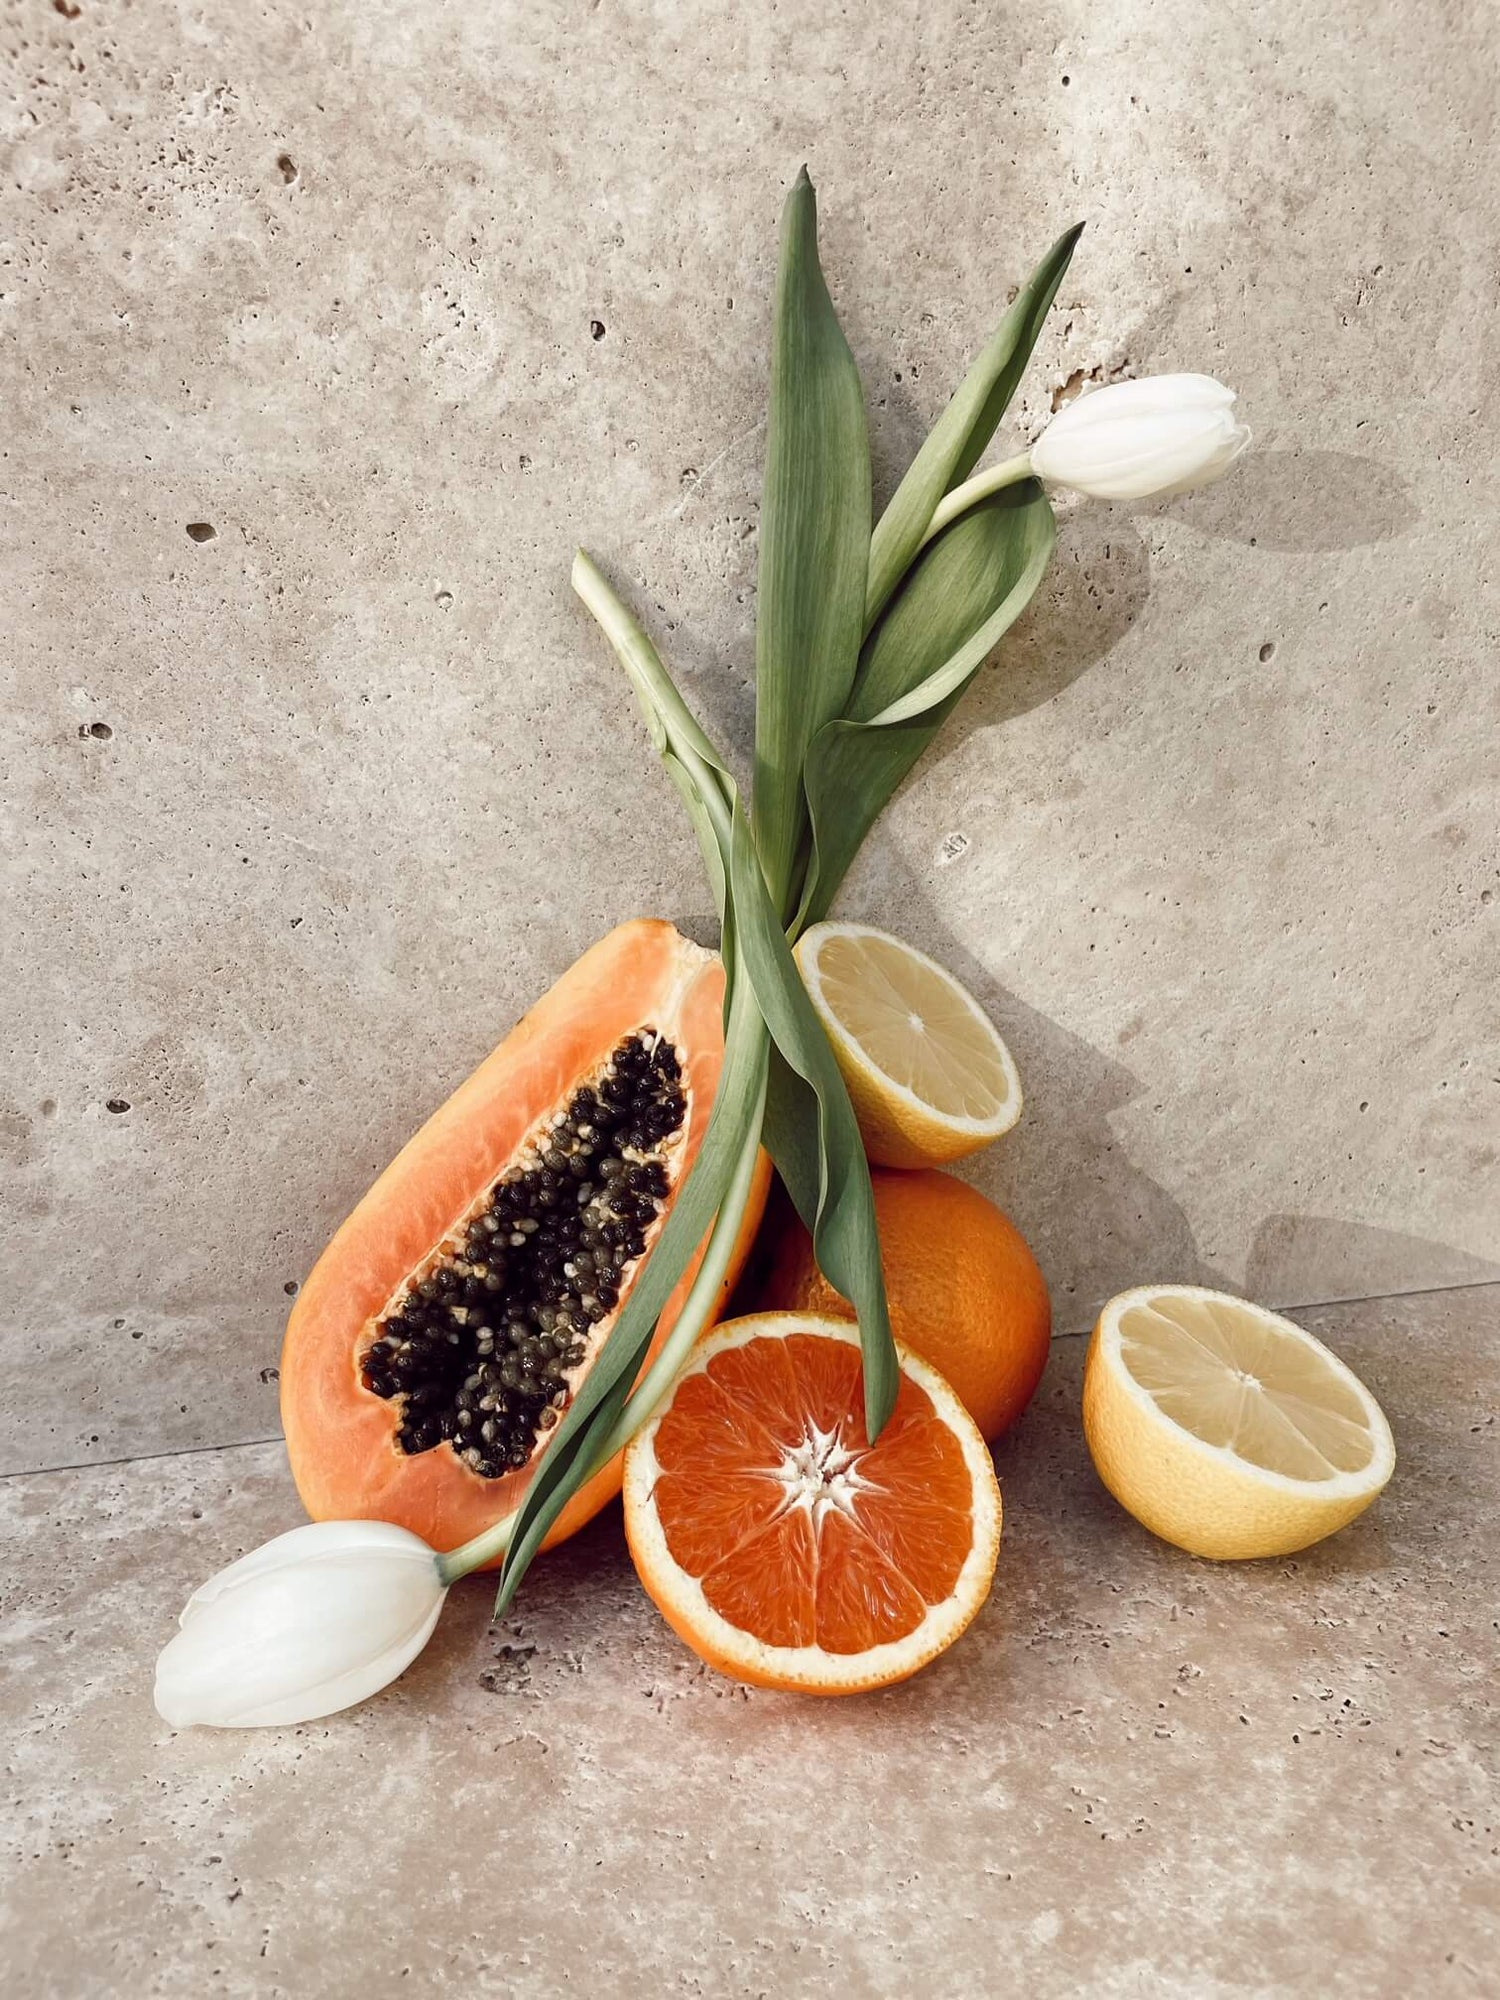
482	1343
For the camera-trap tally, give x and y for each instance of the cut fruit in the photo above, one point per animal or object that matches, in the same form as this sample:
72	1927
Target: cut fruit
778	1542
452	1318
929	1078
965	1291
1226	1429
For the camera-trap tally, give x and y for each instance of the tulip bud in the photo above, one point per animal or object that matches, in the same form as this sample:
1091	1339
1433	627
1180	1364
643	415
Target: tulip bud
1163	434
313	1622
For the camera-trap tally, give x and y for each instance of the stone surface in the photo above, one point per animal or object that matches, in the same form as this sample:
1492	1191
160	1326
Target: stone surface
1137	1774
299	813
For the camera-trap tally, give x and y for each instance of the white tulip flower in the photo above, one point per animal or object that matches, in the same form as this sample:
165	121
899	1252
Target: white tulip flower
1163	434
1128	441
313	1622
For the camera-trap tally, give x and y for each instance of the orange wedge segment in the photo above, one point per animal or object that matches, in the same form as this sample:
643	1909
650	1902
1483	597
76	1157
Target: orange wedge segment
778	1542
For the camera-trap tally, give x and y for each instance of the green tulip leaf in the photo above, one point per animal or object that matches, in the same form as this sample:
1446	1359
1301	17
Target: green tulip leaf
810	1128
958	438
965	591
814	543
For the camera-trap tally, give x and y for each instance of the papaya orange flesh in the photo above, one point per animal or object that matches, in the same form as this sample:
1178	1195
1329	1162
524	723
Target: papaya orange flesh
356	1437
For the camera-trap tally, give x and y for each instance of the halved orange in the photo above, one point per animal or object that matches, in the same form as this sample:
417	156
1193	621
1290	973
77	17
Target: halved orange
785	1548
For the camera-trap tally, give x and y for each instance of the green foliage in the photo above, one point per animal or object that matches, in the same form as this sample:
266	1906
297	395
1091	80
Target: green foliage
864	645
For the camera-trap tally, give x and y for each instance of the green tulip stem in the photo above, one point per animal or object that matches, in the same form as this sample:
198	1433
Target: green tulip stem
1009	472
697	1312
698	1308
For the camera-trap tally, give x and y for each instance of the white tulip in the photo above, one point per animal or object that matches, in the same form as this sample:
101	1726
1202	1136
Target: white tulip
311	1623
1163	434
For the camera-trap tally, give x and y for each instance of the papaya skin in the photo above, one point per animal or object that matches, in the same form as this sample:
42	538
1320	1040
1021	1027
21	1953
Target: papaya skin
341	1437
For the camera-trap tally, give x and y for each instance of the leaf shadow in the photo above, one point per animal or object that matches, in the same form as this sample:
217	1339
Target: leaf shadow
1096	587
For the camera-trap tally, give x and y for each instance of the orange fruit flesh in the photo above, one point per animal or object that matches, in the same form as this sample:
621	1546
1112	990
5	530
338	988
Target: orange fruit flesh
859	1566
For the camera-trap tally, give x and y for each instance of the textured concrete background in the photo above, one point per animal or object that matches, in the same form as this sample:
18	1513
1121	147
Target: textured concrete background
403	301
1137	1777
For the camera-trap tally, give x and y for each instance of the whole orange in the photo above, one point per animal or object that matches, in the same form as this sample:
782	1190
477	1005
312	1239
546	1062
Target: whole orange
965	1291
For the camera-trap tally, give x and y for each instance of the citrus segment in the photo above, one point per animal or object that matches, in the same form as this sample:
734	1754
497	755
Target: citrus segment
782	1544
862	1599
929	1077
1224	1427
767	1586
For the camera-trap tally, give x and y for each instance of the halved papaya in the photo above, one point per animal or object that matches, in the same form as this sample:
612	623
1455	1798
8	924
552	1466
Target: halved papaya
448	1324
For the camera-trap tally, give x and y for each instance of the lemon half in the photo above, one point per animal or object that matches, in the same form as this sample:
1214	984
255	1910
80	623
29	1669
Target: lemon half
929	1078
1225	1428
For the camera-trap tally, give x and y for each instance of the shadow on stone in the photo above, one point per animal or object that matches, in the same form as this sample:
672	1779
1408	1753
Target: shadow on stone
1097	1223
1307	1259
1298	502
1097	586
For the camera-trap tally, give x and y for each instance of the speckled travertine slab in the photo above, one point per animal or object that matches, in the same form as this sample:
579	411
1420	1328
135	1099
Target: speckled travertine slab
325	334
1138	1774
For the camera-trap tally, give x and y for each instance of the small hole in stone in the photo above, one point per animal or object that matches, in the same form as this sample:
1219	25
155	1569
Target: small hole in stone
117	1104
201	531
49	1107
1066	81
288	167
1268	650
443	599
596	328
69	9
1365	1105
290	1288
1065	392
136	1333
119	1323
100	731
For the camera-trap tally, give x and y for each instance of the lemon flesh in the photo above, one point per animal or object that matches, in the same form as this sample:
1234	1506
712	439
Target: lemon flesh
929	1077
1225	1428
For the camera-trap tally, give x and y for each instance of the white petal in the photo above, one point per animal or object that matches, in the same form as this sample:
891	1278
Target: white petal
1108	458
284	1638
1149	395
1216	468
1127	458
314	1538
347	1689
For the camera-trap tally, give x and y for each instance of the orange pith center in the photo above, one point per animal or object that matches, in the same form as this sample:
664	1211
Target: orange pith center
801	1532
